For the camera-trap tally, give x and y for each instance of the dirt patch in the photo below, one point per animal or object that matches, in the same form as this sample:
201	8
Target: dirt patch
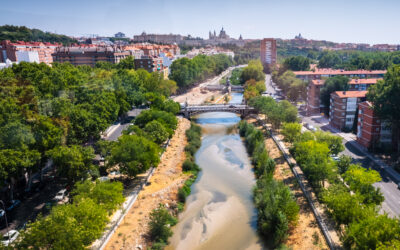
306	234
162	188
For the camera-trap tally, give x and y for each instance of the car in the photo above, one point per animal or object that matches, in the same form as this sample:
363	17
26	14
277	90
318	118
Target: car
104	178
13	204
335	158
60	195
2	213
232	106
9	237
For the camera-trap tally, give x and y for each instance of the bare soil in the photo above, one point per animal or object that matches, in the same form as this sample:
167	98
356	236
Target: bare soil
163	187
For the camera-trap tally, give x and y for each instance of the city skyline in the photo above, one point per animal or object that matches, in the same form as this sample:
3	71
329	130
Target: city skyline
356	21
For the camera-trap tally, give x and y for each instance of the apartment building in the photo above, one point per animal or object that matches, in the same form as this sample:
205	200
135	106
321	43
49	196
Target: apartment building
89	55
318	73
150	63
343	107
268	52
27	51
372	132
313	106
362	84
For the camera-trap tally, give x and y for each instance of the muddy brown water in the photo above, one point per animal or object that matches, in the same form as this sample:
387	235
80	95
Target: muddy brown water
219	213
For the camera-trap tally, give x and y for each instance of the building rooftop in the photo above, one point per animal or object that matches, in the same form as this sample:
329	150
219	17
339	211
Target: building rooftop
364	81
350	94
338	72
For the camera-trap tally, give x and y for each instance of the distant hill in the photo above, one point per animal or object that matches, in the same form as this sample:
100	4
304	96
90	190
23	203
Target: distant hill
22	33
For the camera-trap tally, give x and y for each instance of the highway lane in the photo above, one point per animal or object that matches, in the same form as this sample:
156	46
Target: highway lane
388	187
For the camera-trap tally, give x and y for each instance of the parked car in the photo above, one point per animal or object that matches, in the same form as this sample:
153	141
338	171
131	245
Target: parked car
335	157
60	195
2	213
9	237
13	205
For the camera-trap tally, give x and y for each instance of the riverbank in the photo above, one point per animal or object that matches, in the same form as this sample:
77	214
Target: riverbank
163	188
306	234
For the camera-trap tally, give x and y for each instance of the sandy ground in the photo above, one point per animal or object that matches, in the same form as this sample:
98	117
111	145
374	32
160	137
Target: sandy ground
306	234
195	96
163	187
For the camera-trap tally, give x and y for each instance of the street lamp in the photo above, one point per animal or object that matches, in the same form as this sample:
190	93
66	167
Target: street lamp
5	216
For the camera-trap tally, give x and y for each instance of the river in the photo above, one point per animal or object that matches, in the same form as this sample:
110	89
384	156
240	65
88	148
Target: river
219	213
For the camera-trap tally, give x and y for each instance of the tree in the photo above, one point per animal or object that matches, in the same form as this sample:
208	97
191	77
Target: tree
156	132
343	164
71	226
13	163
334	142
127	63
384	96
72	162
160	224
106	194
371	232
277	209
134	155
291	131
254	70
167	119
313	158
344	207
336	83
297	63
360	180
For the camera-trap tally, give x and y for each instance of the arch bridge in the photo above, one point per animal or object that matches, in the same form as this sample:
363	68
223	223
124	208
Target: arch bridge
190	110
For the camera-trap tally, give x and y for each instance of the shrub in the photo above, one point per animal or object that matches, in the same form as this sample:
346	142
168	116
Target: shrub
160	222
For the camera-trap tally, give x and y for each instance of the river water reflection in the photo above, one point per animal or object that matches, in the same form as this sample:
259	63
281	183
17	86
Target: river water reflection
219	213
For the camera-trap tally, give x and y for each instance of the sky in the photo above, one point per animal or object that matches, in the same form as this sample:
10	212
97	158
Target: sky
360	21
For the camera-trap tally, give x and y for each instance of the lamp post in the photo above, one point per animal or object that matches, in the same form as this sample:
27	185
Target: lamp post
5	216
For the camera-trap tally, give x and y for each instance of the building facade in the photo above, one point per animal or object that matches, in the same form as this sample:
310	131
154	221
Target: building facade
27	51
343	107
268	51
372	132
318	73
157	38
82	55
314	106
362	84
150	63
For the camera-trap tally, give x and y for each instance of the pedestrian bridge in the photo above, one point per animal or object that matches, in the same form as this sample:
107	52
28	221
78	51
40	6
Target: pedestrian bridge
241	109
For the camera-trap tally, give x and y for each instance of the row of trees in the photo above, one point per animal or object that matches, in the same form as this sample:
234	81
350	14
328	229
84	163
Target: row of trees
253	79
355	206
293	87
277	208
50	112
22	33
75	225
187	72
275	113
352	60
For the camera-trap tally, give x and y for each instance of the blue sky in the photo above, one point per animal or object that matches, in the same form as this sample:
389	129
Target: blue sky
364	21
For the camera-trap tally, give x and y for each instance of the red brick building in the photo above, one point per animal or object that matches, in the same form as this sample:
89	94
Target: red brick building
326	73
268	51
362	84
343	107
313	97
25	51
371	131
89	55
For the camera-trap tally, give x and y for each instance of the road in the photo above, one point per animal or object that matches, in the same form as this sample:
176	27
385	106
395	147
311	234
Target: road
388	185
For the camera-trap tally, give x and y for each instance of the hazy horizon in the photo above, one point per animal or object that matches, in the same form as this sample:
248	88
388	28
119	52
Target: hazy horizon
340	21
